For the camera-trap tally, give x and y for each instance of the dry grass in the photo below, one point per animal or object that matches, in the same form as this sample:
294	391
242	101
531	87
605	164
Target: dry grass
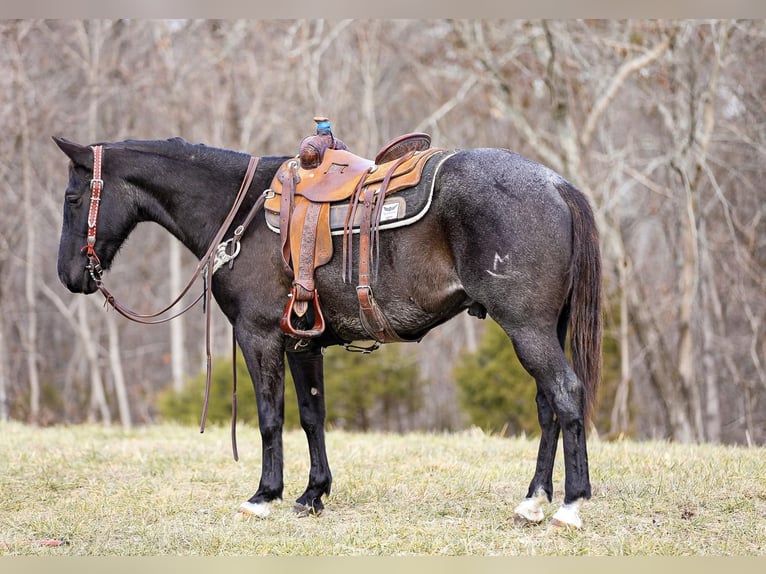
167	490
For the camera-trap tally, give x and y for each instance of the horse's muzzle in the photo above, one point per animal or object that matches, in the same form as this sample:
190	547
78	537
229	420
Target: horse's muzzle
78	280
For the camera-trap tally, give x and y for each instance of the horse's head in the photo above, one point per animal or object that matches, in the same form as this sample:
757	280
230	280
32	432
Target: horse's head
114	221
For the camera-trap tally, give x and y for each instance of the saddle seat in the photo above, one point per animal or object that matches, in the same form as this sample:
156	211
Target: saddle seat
344	194
337	177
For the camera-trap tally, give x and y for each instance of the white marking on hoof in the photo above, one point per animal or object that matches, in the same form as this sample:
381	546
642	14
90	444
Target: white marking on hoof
261	510
530	510
568	516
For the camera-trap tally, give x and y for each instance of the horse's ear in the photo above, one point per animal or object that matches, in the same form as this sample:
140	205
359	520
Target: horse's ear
79	154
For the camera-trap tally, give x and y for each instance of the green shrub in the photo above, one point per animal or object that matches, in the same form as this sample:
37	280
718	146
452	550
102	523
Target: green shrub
378	391
494	390
498	395
185	406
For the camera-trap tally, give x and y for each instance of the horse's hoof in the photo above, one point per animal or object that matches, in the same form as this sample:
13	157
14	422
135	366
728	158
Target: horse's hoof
529	512
302	510
247	509
521	520
568	516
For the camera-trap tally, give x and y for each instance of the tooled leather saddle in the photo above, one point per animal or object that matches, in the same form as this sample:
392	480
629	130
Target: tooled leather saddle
326	190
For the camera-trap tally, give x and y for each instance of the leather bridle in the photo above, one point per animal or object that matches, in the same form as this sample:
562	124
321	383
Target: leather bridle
219	253
96	185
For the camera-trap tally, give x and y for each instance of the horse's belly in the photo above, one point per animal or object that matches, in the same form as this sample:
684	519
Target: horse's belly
411	313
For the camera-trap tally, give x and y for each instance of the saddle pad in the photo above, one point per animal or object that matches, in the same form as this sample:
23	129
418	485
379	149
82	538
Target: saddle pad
401	208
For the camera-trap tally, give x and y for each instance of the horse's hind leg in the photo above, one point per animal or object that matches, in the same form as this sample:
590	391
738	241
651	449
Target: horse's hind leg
530	510
561	396
306	368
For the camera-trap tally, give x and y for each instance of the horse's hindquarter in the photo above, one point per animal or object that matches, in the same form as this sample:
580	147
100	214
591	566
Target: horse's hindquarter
510	231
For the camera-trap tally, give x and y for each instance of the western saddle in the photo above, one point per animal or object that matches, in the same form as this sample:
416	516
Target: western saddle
326	188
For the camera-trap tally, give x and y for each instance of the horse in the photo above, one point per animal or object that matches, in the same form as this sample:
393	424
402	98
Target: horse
504	236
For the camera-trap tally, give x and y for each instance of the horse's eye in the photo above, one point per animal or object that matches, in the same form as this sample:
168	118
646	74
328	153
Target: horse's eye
73	199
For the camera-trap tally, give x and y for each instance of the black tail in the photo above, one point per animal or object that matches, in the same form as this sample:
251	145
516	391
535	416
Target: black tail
585	295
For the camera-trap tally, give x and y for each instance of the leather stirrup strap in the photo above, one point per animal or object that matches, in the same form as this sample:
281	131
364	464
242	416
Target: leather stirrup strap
374	322
304	280
348	230
375	217
289	181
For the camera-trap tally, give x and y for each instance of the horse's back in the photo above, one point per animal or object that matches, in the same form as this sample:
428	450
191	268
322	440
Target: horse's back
491	180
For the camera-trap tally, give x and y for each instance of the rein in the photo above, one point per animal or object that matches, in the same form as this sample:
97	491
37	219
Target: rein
217	253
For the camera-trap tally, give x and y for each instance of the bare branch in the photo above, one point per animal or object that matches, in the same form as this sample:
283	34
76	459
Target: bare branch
450	104
627	69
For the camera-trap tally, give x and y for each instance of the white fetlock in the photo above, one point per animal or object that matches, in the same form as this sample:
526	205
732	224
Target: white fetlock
568	516
260	509
530	510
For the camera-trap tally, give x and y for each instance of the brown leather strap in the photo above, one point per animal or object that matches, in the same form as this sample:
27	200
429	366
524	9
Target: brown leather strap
234	451
289	181
305	265
303	291
368	197
375	221
348	230
373	321
371	316
96	186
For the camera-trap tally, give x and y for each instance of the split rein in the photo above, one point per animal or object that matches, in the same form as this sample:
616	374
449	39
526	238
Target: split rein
218	254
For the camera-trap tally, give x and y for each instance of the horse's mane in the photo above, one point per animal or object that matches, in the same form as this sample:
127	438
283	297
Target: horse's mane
176	148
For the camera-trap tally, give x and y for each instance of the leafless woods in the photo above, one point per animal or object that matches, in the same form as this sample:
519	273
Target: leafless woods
661	123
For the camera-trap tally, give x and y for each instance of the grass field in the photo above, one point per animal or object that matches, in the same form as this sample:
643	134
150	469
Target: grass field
167	490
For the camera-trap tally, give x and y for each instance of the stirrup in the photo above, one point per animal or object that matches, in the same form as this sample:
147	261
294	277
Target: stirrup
285	322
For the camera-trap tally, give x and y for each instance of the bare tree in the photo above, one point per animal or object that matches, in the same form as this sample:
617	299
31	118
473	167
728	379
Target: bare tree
4	410
24	100
661	123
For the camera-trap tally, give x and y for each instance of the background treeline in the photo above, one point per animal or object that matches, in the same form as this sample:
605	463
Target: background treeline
661	123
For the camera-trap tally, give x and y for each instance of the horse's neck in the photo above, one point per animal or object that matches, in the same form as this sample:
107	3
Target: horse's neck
193	204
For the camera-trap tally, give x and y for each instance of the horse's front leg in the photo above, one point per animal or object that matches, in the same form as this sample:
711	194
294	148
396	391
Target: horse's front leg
265	362
306	368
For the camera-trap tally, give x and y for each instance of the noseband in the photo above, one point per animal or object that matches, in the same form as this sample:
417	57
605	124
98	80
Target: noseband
217	254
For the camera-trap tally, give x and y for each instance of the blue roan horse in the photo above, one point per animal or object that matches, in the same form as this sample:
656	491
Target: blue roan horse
504	236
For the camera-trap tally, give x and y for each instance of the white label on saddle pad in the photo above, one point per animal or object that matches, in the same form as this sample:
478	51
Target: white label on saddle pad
390	211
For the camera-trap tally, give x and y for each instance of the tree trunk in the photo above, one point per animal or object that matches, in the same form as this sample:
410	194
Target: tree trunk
98	408
620	415
123	403
688	302
30	239
700	132
4	414
177	327
713	423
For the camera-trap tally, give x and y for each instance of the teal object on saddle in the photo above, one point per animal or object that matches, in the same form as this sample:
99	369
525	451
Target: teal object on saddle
323	126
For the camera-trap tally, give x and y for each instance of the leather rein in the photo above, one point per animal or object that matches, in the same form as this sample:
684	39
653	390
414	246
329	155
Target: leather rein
219	253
